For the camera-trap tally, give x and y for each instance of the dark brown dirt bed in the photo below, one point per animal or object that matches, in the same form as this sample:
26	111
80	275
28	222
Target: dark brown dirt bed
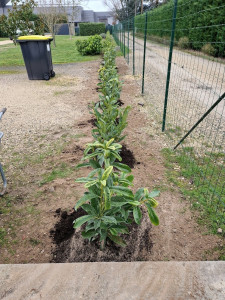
49	156
71	247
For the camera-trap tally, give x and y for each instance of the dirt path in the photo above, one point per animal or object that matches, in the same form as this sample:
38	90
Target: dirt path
46	127
6	42
203	78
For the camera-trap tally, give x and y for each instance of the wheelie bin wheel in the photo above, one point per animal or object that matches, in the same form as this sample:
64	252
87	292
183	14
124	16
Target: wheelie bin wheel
46	76
52	74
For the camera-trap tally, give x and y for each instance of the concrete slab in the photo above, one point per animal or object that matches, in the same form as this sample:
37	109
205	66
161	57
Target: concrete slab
118	281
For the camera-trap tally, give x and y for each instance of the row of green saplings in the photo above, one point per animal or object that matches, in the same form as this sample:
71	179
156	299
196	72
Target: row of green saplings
109	202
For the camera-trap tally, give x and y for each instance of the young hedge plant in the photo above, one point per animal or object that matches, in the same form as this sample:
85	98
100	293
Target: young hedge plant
109	202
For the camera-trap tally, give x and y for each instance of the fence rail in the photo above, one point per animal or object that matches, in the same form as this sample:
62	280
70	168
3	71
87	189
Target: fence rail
177	54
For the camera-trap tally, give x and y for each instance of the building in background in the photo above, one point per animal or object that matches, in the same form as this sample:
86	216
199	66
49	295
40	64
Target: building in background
80	15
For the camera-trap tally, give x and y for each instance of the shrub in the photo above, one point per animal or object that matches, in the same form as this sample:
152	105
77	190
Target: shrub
109	203
184	43
209	50
91	28
91	46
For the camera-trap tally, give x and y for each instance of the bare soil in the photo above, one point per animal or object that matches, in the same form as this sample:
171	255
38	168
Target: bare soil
38	210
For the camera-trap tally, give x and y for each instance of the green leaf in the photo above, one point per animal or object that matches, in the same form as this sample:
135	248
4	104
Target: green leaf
109	143
154	194
89	234
117	239
107	196
120	228
116	155
153	202
103	182
89	209
134	203
138	195
137	214
107	173
80	221
86	197
88	156
93	172
152	215
123	191
108	219
130	178
83	179
93	182
122	167
94	164
82	165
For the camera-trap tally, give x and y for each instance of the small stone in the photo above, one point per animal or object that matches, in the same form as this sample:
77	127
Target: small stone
174	230
51	189
219	230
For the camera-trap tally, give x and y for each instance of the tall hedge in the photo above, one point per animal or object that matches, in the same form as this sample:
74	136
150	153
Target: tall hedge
202	21
91	28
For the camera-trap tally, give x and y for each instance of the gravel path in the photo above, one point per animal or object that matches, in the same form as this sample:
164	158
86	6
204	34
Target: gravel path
195	84
37	108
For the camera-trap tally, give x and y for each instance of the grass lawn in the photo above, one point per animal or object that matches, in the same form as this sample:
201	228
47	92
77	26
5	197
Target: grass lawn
3	39
64	52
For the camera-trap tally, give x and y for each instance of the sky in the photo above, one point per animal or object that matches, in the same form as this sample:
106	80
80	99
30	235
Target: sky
96	5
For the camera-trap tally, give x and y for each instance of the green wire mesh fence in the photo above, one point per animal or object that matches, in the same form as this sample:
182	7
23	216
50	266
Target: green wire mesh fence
177	55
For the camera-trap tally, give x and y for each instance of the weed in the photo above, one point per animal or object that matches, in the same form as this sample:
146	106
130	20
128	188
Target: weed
62	171
34	242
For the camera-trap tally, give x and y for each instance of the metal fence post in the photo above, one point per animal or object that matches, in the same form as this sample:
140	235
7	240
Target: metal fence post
133	45
120	34
124	46
145	37
128	41
169	63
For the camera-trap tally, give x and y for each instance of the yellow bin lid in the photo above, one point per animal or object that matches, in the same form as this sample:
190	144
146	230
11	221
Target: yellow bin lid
34	37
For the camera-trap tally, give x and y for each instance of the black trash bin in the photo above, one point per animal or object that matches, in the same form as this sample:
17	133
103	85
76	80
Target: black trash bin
37	56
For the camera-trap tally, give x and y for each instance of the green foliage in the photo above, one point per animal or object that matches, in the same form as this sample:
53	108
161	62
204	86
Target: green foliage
209	49
3	26
109	202
201	22
87	29
91	46
183	43
19	18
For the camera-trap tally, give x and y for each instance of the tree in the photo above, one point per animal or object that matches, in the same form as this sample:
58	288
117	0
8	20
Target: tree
53	11
50	13
19	19
123	9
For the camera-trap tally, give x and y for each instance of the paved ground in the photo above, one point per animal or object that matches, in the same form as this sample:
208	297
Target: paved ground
119	281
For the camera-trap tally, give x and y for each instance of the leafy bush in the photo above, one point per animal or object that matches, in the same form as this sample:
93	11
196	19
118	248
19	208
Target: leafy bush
91	28
184	43
109	202
209	50
91	46
201	22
